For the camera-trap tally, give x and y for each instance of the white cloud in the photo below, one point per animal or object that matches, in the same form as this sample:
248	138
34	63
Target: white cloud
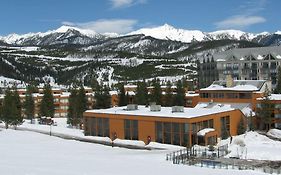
119	26
239	22
125	3
246	16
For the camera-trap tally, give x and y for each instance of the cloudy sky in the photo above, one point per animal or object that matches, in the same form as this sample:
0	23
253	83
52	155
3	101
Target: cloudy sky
123	16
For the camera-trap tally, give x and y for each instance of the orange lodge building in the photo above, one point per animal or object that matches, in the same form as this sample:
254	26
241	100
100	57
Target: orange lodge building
170	125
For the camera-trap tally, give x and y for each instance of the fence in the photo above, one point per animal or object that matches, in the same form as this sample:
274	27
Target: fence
190	154
221	165
203	157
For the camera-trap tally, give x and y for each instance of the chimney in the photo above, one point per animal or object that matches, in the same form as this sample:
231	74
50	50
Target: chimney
229	81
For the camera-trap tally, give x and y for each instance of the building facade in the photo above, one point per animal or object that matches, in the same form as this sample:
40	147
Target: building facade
168	125
242	64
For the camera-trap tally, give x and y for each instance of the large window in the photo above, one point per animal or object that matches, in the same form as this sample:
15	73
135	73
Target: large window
98	126
225	127
202	124
172	133
131	129
245	95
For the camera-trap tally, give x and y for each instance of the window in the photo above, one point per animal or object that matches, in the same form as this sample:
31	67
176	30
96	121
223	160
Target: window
225	127
278	106
176	133
204	95
98	126
232	95
172	133
159	132
131	129
245	95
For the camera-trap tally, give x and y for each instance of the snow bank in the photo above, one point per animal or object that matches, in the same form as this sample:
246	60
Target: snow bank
276	133
254	146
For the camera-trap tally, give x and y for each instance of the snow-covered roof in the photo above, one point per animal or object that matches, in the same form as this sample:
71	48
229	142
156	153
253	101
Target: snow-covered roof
131	93
165	111
238	85
188	94
204	131
259	53
113	92
245	108
130	86
272	97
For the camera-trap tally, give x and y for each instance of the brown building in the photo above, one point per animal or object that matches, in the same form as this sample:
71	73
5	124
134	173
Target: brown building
170	125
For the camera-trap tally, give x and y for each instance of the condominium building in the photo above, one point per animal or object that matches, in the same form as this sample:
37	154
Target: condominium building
259	63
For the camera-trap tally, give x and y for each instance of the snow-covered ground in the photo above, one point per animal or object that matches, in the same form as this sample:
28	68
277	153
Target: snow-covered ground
254	146
29	153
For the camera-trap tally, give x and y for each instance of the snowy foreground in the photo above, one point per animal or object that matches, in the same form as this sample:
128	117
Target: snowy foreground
29	153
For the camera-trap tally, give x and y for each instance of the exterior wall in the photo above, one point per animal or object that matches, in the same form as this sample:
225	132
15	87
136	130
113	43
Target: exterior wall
191	101
146	124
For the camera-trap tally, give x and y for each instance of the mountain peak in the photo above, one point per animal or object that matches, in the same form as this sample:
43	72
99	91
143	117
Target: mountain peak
65	28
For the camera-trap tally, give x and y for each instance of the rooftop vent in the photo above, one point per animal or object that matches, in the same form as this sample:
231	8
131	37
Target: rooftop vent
177	109
132	107
155	108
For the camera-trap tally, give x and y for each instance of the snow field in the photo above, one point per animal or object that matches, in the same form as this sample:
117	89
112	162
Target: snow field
29	153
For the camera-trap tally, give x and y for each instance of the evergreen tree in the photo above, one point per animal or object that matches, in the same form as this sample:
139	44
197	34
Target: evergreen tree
102	97
94	84
264	113
169	94
278	86
122	96
98	98
72	109
18	119
47	107
224	133
156	95
10	109
241	127
29	105
82	104
77	105
180	96
106	97
141	93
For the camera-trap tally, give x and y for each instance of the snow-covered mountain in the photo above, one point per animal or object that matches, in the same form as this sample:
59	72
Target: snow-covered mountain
73	35
62	35
169	32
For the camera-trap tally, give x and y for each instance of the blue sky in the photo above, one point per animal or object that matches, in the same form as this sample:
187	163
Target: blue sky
122	16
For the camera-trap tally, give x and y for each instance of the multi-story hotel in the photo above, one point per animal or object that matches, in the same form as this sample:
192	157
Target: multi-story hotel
259	63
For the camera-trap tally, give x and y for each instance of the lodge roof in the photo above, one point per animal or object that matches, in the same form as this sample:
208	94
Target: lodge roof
165	111
256	53
237	85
